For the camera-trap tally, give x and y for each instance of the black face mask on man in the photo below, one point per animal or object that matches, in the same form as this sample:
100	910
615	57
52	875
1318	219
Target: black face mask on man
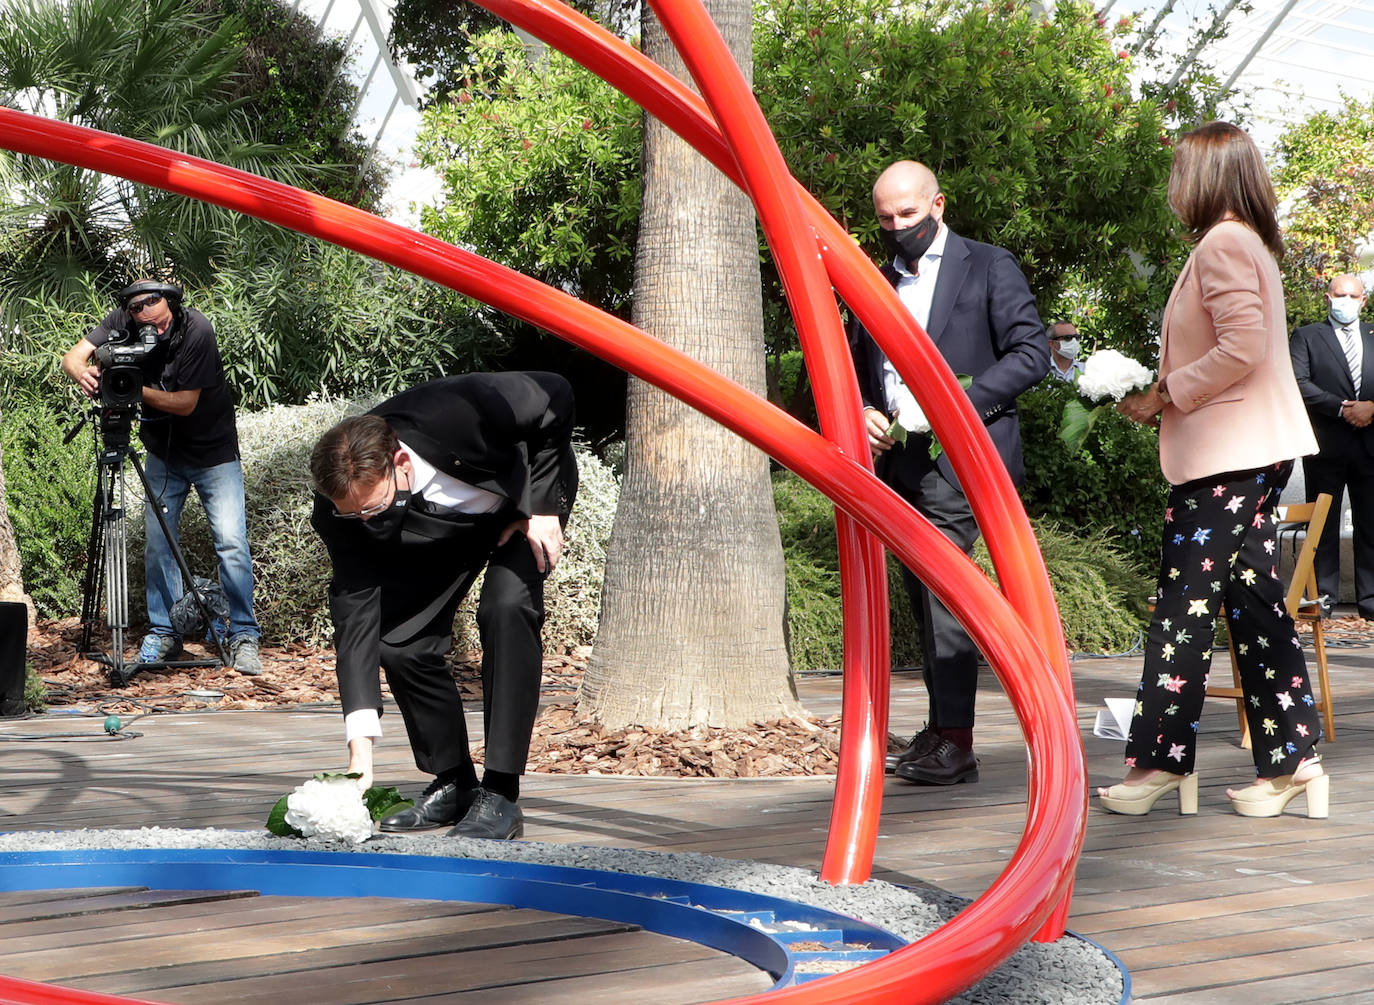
387	524
910	243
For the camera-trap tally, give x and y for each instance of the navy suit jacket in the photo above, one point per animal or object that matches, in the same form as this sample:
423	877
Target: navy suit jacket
1324	379
984	321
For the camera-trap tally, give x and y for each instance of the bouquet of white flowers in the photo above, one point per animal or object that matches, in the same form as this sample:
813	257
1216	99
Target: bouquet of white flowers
331	806
911	418
1107	377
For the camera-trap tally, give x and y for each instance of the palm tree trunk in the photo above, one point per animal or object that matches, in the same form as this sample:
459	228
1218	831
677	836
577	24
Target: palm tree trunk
692	628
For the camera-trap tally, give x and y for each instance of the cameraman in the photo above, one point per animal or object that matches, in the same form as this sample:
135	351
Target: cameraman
188	430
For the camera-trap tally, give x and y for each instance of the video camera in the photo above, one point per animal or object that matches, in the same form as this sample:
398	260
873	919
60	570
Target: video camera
121	358
121	366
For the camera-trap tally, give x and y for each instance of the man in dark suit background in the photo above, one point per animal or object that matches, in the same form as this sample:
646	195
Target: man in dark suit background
413	500
1334	364
973	301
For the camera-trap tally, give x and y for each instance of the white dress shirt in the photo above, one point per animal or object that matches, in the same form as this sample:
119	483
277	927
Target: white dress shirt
448	495
916	293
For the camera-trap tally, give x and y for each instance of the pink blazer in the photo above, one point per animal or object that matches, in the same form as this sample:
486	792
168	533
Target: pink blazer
1224	357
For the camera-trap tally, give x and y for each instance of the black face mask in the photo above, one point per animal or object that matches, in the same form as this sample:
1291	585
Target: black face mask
910	243
387	524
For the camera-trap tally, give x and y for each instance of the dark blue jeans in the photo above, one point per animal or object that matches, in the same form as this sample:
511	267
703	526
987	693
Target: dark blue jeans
221	493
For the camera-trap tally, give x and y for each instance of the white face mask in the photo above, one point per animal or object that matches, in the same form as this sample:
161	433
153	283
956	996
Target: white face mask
1068	348
1345	310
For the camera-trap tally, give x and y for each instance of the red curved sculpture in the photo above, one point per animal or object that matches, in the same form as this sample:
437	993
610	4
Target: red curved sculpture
1011	542
1029	898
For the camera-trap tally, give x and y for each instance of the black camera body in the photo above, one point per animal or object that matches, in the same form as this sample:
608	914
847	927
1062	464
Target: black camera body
121	362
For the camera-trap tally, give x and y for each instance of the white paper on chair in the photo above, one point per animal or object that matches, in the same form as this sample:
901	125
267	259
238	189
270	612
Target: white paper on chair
1114	720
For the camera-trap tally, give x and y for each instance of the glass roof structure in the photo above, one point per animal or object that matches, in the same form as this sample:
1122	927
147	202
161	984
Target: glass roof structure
1280	60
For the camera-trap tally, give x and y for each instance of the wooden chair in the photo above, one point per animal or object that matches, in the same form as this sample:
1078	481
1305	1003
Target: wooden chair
1303	603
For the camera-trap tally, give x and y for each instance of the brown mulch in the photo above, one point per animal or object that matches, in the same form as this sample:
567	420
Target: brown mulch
563	744
297	675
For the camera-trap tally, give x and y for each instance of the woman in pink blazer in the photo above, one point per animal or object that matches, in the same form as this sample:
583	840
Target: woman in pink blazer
1231	423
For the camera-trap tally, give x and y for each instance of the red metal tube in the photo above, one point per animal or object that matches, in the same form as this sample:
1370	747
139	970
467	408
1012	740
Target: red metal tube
857	806
1040	869
1011	541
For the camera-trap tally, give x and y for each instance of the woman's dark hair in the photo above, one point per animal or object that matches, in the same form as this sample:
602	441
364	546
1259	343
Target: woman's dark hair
1218	172
357	450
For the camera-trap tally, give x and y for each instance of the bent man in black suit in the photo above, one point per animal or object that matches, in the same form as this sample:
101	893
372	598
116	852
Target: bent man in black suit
973	301
413	500
1334	364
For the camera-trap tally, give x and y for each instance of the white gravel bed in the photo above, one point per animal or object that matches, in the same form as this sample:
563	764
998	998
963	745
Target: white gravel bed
1068	972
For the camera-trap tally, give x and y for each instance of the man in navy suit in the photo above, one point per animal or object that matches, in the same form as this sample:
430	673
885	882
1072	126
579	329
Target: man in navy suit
973	301
414	499
1334	364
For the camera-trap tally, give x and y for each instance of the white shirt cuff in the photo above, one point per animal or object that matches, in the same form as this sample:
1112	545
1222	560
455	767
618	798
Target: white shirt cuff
362	722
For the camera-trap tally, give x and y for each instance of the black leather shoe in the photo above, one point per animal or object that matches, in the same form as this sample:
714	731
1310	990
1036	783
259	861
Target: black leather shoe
439	806
493	817
945	764
921	744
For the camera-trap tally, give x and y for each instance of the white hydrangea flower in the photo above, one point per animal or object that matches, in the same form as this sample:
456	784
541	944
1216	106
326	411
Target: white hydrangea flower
331	808
1109	376
912	418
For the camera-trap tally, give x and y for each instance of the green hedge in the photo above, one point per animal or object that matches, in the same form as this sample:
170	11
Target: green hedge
1112	487
50	493
1100	591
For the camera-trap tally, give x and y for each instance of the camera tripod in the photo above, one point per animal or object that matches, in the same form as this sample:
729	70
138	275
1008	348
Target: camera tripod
107	564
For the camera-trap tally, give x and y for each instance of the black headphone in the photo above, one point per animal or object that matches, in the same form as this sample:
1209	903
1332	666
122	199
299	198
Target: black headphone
172	293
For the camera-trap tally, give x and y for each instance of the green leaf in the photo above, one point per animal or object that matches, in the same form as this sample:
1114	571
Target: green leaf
383	802
1076	422
276	820
897	431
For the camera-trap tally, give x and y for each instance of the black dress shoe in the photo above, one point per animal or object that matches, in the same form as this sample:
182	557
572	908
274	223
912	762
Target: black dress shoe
439	806
493	817
945	764
921	744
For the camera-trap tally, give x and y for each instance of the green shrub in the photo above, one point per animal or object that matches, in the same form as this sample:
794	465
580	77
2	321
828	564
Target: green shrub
34	691
1113	485
291	568
1100	592
50	491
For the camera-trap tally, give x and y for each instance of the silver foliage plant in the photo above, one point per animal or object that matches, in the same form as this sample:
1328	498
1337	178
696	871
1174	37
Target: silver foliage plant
289	562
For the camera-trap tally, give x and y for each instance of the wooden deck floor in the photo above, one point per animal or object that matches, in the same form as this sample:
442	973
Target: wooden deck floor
1212	909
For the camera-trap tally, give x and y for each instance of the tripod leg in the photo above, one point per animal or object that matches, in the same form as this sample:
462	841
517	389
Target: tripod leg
117	578
93	579
180	556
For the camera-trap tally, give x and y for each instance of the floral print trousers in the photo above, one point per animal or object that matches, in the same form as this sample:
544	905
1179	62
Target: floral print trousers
1221	550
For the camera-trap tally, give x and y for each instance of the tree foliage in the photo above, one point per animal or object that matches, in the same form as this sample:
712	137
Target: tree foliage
1030	123
168	72
540	164
300	98
1324	176
434	36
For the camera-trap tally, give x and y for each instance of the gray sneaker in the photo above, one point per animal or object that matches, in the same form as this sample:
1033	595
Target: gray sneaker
243	651
159	648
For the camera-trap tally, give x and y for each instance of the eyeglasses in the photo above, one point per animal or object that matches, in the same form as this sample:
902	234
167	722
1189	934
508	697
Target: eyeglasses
140	305
369	511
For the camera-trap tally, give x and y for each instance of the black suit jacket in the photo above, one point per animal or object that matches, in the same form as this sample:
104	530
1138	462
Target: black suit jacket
984	322
1324	379
508	433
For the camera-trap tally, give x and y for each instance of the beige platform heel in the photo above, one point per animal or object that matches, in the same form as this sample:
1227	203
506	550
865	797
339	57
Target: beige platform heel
1137	800
1269	798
